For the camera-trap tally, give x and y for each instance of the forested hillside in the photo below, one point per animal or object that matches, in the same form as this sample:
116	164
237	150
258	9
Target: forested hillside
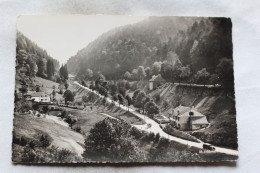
180	48
33	61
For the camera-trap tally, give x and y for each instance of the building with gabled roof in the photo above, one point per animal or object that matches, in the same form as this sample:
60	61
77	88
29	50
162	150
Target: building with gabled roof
187	118
39	97
155	81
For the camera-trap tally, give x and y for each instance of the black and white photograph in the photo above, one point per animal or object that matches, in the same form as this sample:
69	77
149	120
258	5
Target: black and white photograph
124	89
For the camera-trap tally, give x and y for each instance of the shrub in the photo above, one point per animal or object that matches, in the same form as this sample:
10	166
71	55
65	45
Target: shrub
35	106
79	103
174	132
64	113
45	109
32	144
78	129
28	155
70	121
23	141
151	136
23	106
136	133
61	91
62	155
104	101
44	141
16	140
157	138
151	108
163	143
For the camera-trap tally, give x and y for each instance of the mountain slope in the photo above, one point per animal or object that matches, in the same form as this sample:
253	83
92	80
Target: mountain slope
199	42
31	60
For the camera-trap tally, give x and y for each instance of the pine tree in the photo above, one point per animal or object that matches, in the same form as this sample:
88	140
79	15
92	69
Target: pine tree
66	74
61	72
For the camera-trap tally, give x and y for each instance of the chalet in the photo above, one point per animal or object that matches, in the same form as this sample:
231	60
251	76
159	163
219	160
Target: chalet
186	118
155	81
40	97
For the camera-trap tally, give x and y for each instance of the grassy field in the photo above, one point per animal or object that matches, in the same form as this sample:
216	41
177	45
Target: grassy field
98	107
32	127
47	86
85	119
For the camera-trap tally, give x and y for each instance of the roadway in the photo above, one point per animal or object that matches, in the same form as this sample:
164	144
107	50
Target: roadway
155	128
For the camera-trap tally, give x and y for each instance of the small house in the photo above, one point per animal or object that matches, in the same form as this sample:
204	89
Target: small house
40	97
186	118
155	81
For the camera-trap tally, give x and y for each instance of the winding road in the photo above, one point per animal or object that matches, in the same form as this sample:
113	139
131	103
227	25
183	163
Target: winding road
155	128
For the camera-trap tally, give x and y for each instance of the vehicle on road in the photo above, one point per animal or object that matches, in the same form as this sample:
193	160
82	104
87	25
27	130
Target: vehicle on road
208	147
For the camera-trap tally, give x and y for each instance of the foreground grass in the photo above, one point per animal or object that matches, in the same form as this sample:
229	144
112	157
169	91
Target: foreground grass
60	136
86	119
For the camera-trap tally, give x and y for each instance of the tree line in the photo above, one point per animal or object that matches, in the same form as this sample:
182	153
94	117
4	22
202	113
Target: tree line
197	50
31	60
117	91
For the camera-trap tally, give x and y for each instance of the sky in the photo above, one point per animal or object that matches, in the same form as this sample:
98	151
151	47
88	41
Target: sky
62	36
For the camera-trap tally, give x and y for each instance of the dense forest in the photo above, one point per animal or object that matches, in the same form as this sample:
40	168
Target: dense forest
181	49
31	60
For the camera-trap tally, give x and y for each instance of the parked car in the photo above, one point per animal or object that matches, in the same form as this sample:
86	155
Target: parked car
208	147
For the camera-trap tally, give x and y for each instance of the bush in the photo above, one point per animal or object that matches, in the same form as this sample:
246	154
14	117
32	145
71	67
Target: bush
62	155
157	97
78	129
32	144
64	114
136	133
174	132
157	138
28	155
61	91
163	143
35	106
44	141
23	141
79	103
151	136
45	109
70	121
23	106
16	140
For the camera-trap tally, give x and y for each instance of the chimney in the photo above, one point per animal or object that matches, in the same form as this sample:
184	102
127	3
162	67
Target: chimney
191	113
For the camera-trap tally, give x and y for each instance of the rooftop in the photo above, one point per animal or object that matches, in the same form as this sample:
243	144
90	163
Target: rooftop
181	110
195	113
199	120
157	78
